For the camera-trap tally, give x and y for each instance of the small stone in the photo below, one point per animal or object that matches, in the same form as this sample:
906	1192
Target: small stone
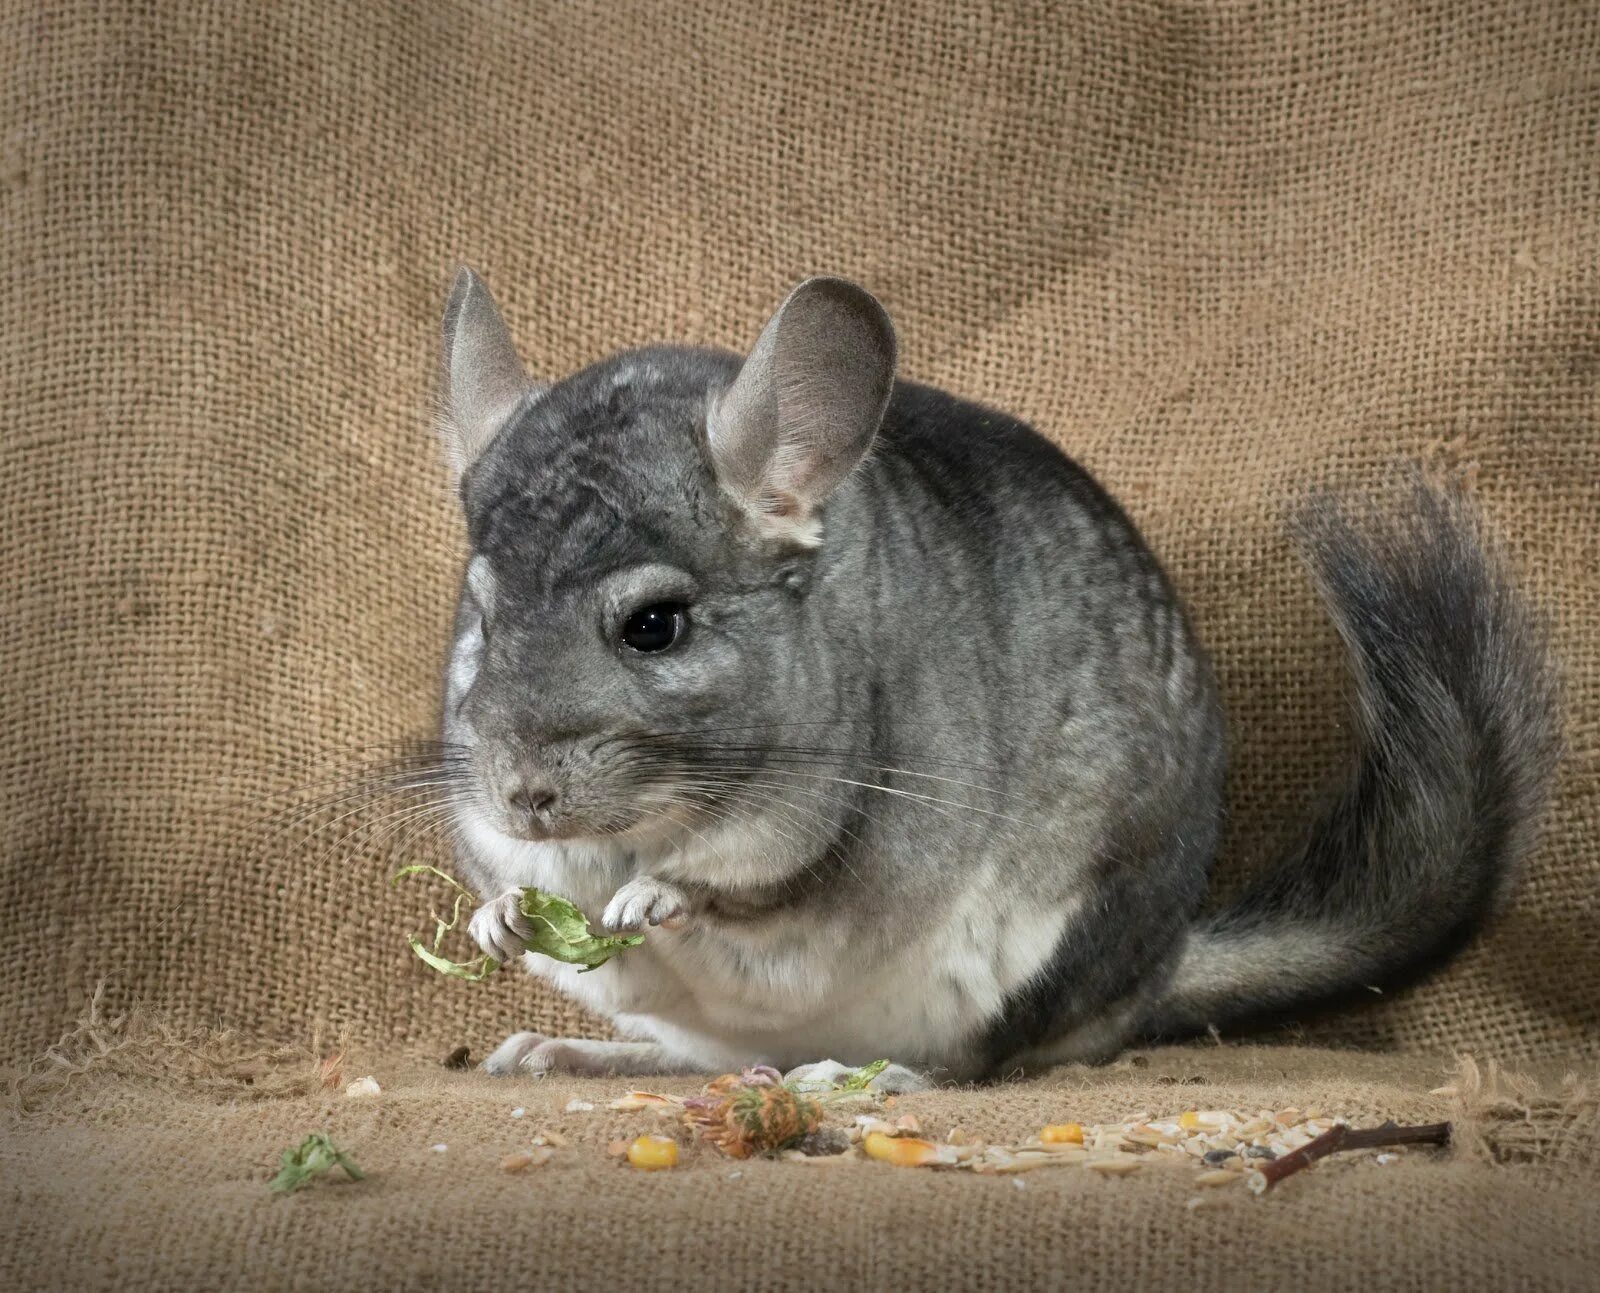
367	1086
1216	1157
439	1148
1259	1151
579	1106
519	1112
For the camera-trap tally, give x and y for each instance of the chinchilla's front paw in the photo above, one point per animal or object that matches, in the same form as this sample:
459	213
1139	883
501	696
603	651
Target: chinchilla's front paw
645	901
500	928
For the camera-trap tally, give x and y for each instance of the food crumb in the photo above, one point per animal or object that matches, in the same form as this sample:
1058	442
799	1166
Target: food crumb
579	1106
439	1148
518	1112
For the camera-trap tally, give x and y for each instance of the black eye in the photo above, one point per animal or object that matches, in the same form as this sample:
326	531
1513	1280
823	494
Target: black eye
655	628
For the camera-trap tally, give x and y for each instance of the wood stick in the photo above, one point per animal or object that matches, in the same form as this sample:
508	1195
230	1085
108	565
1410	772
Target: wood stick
1339	1138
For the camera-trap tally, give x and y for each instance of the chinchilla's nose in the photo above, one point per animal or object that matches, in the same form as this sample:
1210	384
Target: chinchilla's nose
532	801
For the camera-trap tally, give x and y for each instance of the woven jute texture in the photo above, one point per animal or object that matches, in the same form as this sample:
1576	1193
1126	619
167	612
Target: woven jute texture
1219	252
124	1178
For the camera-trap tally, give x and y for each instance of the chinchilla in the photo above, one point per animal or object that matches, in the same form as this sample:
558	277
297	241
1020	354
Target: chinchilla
881	712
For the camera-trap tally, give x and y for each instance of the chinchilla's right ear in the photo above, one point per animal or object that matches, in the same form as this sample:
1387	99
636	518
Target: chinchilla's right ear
484	381
805	406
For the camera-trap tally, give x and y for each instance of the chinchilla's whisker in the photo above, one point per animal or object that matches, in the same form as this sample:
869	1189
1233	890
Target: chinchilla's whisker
840	754
926	776
757	798
773	793
907	794
296	815
768	797
374	775
413	826
680	803
947	807
840	751
407	813
346	816
357	760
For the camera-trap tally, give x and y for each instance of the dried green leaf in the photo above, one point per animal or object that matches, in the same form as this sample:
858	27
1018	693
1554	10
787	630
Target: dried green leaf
561	931
474	971
311	1157
861	1078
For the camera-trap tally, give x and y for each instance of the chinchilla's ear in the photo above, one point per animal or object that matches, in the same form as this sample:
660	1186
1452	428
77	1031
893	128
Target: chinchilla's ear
483	379
805	405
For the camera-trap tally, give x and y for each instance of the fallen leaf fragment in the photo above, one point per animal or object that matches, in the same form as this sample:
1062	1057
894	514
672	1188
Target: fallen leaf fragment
311	1157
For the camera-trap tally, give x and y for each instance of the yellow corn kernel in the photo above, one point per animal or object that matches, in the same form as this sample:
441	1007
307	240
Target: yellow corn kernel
1062	1133
653	1153
902	1151
1189	1121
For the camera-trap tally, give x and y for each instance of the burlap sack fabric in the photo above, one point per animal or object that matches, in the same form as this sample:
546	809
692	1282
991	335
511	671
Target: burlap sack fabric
1218	252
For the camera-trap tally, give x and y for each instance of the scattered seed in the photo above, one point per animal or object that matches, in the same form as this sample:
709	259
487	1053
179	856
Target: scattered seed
909	1151
653	1153
551	1138
1216	1177
1062	1133
538	1156
635	1100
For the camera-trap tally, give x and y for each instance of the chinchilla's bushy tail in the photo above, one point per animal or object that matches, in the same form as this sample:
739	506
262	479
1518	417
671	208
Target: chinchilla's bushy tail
1457	734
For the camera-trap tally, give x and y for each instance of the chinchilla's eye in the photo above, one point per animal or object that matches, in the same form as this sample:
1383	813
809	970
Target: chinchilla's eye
655	627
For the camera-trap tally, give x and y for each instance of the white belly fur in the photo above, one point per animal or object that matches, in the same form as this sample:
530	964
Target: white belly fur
781	991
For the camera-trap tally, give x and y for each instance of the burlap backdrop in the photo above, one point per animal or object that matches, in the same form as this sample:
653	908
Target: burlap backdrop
1216	251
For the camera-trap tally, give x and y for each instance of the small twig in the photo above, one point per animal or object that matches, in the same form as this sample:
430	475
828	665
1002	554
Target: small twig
1339	1138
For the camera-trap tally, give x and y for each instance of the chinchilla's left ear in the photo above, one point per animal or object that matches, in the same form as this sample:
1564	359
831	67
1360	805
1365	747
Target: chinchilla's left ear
805	406
484	380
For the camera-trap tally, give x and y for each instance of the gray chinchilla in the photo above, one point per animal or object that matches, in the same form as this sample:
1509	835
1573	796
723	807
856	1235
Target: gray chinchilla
881	710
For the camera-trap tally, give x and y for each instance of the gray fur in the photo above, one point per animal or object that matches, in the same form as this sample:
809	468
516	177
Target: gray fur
936	771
